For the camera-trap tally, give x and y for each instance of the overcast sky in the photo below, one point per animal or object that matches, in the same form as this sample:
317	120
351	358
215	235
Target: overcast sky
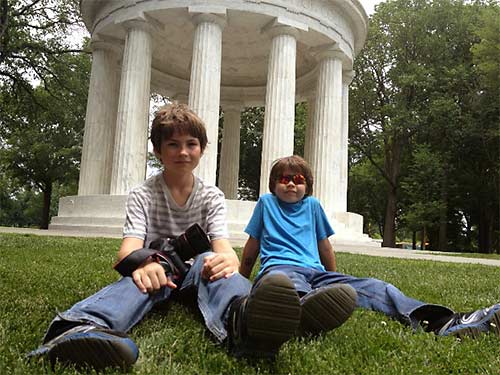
370	5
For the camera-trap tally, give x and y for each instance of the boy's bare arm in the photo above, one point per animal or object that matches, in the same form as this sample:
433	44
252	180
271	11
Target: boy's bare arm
250	253
128	245
327	255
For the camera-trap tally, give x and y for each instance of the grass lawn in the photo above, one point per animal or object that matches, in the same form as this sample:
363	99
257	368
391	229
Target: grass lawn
42	275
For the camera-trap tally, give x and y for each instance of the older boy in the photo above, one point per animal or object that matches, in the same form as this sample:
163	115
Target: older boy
92	332
290	231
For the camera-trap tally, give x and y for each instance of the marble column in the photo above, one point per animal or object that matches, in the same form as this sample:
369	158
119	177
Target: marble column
344	146
129	158
230	151
308	137
204	89
279	114
100	120
326	154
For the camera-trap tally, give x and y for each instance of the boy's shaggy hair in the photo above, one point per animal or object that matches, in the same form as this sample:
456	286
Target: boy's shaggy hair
295	164
177	118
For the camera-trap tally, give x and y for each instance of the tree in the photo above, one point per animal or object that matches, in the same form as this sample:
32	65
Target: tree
485	135
33	37
366	196
422	88
422	188
43	89
42	142
388	90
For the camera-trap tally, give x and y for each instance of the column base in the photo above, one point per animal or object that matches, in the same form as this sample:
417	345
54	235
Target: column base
105	215
348	227
99	214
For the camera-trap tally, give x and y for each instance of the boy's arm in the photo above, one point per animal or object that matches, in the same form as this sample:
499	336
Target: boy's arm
148	277
250	253
128	245
327	255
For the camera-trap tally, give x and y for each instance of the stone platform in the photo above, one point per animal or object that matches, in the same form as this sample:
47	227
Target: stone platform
105	215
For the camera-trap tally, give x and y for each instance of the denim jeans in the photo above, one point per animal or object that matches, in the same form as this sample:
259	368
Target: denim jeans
372	293
121	305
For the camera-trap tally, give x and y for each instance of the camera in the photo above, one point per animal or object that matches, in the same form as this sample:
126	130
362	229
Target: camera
173	252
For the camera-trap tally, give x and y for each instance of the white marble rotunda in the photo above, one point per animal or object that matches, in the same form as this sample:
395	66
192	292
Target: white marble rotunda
214	54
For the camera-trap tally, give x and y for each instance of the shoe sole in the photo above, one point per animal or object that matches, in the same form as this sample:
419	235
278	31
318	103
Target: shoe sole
94	352
328	309
475	332
273	311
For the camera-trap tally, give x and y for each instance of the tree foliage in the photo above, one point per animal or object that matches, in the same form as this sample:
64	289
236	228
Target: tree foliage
43	91
426	116
33	36
252	124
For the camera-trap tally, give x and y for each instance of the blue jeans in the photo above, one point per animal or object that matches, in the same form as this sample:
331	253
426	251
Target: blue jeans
121	305
372	293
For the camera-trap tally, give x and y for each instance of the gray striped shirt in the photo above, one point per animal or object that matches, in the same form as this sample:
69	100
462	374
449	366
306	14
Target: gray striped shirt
151	211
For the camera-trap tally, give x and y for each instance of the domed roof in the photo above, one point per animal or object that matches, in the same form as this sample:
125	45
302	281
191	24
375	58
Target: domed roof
245	42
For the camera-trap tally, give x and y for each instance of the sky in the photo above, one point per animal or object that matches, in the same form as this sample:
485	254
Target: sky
370	5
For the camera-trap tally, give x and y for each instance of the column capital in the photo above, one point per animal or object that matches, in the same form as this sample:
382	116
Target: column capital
347	76
145	23
332	51
328	51
283	26
106	43
219	19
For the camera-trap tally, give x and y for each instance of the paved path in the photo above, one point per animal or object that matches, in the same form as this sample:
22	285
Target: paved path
416	254
366	250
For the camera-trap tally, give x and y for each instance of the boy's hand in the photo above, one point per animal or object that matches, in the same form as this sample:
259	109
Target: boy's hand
219	265
151	277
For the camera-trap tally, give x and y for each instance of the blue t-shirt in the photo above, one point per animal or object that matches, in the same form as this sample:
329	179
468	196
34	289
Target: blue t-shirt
289	232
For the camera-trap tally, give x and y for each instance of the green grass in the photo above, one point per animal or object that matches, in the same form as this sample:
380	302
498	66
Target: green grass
41	275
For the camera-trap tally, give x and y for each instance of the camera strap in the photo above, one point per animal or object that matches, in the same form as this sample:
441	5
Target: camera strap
132	261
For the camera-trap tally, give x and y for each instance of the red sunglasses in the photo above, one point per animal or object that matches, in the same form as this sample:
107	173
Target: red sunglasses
297	179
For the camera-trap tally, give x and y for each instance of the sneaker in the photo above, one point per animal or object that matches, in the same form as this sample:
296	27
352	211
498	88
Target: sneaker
473	324
261	322
90	346
327	308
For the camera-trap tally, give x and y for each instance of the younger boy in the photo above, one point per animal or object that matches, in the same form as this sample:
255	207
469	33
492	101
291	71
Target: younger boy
92	332
290	231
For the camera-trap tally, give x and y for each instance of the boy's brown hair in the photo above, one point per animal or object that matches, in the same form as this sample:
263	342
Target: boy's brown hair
295	164
177	118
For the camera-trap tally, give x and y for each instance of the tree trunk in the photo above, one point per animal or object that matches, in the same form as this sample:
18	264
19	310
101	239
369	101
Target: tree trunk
390	219
392	166
422	238
485	229
414	240
443	236
47	196
443	219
